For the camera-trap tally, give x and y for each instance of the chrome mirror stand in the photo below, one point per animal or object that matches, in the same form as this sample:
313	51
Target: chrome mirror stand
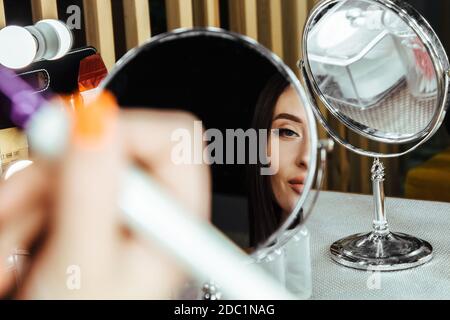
381	250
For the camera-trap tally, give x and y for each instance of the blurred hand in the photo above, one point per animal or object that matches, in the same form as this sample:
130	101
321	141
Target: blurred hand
66	214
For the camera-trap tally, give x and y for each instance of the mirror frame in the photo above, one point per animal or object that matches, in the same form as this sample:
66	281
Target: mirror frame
266	248
438	56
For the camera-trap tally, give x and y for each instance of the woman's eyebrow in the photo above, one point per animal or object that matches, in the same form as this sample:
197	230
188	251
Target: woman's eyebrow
288	116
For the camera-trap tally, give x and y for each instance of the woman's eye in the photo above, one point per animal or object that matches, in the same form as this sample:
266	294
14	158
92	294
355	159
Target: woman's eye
288	133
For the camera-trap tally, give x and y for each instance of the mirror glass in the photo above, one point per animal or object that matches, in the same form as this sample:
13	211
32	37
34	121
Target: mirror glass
255	125
373	71
38	79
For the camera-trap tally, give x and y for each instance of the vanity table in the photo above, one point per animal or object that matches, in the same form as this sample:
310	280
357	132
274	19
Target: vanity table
339	214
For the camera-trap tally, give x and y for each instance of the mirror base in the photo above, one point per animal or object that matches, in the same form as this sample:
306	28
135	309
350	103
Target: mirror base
381	252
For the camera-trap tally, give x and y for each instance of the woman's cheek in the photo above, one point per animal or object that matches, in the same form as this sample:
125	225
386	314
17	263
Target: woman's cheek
274	155
286	155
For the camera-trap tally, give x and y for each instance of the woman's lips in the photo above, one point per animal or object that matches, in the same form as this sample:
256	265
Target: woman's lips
298	188
297	184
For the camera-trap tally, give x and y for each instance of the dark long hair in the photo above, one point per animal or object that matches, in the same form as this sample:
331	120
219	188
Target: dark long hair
264	211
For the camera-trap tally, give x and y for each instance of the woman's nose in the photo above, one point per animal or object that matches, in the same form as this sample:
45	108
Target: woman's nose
303	158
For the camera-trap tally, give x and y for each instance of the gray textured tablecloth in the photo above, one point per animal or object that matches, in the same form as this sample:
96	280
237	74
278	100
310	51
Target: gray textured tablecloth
339	215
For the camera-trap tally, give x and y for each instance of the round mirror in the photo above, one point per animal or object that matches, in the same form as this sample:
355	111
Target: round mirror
253	118
378	68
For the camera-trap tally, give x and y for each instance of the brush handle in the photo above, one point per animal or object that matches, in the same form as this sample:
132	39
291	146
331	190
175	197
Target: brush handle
24	103
196	244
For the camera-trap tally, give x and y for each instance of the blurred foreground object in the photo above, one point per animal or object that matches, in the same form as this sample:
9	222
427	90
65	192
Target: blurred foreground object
46	40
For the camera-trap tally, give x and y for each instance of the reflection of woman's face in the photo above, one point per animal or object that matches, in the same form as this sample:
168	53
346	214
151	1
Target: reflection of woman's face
292	160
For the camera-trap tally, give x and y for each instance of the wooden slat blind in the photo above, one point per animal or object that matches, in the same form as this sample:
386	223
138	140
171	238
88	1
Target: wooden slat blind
137	22
99	28
206	13
179	14
44	9
244	17
270	25
2	15
294	16
276	27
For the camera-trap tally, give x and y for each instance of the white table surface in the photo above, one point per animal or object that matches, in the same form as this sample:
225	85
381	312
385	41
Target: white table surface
339	215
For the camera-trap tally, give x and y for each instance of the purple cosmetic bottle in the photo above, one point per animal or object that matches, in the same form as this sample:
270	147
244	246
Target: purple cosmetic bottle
24	101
